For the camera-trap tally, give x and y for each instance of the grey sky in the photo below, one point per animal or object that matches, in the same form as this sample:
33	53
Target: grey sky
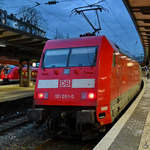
115	21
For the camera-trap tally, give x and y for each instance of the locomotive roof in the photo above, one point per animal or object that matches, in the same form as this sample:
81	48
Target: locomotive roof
79	42
75	42
78	39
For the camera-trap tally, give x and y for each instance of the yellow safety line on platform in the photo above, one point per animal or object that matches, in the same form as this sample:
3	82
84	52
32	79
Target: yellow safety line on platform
108	139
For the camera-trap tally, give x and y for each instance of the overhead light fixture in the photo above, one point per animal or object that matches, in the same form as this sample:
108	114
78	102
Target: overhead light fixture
117	53
130	64
123	56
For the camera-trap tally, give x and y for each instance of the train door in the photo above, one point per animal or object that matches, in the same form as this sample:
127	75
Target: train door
119	74
119	81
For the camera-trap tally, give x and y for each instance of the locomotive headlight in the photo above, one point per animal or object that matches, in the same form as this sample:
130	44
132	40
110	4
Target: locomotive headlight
43	95
88	95
91	95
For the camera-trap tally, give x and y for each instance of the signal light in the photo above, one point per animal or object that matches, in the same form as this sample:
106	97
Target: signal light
43	95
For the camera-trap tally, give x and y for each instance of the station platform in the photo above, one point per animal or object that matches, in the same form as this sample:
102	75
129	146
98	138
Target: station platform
14	92
132	130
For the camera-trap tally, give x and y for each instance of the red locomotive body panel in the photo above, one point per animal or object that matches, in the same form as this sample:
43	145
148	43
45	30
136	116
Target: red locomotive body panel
77	79
100	86
114	80
104	81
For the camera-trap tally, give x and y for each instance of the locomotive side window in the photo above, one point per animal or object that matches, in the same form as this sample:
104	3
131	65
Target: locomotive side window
55	58
71	57
85	56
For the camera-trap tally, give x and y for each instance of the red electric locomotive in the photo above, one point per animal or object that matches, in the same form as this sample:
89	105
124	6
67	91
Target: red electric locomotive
83	81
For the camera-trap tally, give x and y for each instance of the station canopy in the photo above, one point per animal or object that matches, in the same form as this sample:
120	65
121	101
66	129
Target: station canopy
19	40
140	13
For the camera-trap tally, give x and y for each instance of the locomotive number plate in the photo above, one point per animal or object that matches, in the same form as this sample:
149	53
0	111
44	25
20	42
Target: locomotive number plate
64	96
65	83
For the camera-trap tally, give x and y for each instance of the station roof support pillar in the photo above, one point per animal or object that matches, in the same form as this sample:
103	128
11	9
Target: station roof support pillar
28	74
24	73
20	73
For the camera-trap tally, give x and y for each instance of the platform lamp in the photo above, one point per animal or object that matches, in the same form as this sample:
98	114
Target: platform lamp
33	64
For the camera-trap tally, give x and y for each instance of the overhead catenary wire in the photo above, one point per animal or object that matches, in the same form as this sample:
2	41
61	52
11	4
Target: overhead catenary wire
75	25
92	3
37	4
82	11
117	20
111	30
120	24
52	2
114	17
85	2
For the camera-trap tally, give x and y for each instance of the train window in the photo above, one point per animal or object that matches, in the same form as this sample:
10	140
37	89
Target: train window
7	70
71	57
84	56
56	58
114	60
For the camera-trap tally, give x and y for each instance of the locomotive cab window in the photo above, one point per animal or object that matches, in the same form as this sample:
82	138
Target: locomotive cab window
85	56
71	57
55	58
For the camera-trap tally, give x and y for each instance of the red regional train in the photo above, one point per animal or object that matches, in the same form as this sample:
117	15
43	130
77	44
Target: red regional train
10	73
83	81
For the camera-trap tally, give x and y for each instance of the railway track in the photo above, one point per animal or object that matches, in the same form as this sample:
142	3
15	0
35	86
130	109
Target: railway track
13	122
60	141
51	144
11	117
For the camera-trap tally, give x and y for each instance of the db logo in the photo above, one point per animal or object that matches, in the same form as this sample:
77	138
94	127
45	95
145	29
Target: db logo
65	83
